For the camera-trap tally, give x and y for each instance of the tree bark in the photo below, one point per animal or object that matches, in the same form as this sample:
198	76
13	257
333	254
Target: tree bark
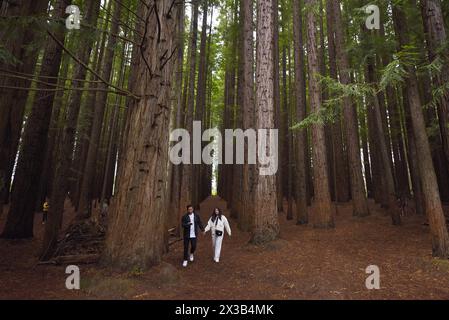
266	224
323	212
135	237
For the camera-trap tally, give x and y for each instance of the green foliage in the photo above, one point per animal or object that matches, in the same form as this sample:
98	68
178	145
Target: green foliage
438	93
331	108
396	71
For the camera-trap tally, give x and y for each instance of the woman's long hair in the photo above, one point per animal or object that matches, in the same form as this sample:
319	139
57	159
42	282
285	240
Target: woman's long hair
214	215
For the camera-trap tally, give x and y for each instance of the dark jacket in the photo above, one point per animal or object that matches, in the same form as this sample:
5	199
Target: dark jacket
185	221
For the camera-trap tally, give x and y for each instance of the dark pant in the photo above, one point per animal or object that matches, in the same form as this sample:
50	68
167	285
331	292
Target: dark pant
192	242
44	216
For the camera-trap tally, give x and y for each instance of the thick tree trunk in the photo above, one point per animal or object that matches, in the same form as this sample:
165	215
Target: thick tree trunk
323	211
135	237
266	224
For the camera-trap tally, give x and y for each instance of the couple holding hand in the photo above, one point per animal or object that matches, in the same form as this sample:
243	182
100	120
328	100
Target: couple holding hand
191	222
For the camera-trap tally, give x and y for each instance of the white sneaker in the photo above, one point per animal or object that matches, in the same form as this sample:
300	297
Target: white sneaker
191	257
184	264
216	260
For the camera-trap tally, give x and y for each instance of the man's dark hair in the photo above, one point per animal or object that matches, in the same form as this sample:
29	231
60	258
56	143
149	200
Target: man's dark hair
189	206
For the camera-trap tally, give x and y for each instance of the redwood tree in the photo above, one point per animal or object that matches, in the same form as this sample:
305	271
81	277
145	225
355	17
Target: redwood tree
323	215
135	237
266	225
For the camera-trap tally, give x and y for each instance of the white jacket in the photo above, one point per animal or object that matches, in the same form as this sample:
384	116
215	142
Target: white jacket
219	224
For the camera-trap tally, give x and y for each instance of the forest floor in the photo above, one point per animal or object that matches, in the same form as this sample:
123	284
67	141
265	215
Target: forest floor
304	263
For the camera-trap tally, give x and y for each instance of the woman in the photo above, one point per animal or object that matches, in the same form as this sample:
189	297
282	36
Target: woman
217	223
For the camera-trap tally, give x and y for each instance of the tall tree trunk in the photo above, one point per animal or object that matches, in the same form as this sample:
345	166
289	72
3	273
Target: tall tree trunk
177	169
277	98
323	211
301	136
266	224
201	98
207	176
135	237
247	83
187	169
434	210
285	131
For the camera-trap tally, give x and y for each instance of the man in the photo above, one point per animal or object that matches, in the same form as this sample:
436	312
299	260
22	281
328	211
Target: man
190	222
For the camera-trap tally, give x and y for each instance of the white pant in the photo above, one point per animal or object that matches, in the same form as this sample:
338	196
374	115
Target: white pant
216	245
